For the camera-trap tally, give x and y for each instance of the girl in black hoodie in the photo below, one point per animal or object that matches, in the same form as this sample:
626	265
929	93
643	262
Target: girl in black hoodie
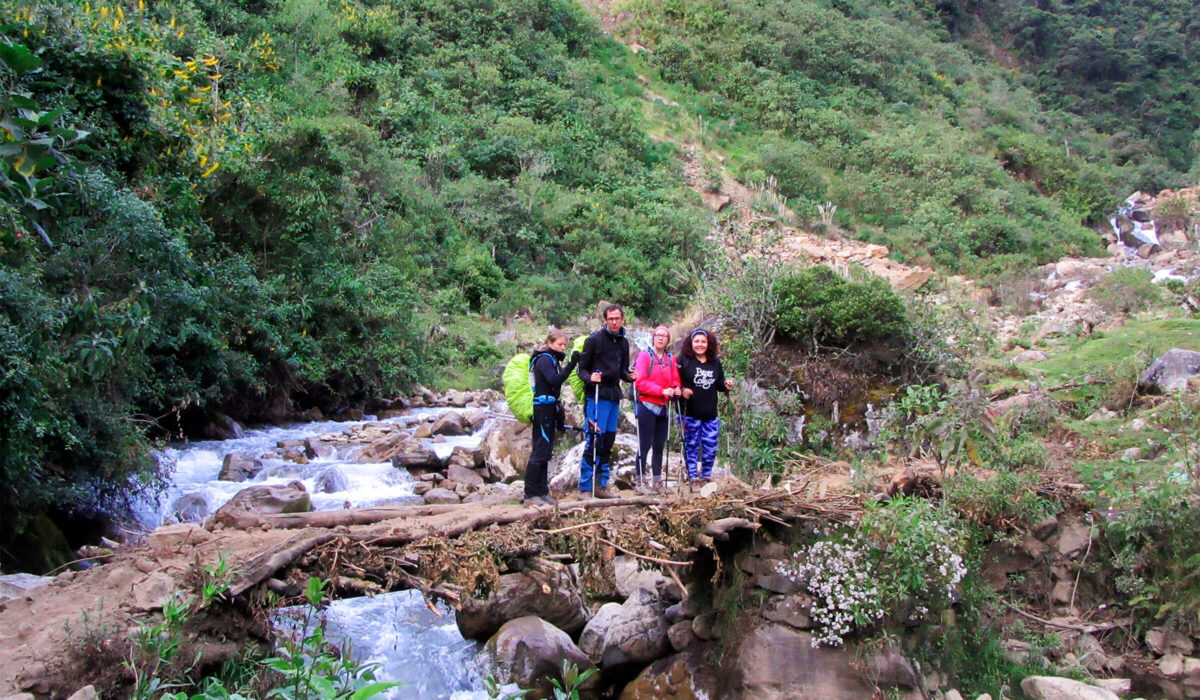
702	376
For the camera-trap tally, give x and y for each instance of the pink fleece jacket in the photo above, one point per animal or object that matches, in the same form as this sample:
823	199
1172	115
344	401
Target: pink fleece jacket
654	375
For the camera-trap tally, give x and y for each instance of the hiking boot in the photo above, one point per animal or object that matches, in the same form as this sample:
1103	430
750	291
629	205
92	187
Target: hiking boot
548	500
603	492
534	501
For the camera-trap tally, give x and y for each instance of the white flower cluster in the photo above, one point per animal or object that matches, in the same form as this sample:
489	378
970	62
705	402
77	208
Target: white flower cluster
841	577
943	569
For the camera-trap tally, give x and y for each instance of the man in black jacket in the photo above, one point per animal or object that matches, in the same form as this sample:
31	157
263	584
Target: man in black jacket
603	364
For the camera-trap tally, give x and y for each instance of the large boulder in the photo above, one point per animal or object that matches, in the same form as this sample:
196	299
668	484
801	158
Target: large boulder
441	496
468	457
451	423
529	652
507	448
237	467
633	633
1170	372
551	593
777	661
464	475
246	505
1054	688
688	675
191	508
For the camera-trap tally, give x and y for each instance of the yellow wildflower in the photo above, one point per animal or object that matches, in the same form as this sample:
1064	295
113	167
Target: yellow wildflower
211	170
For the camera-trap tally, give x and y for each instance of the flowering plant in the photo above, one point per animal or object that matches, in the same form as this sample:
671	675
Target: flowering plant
901	561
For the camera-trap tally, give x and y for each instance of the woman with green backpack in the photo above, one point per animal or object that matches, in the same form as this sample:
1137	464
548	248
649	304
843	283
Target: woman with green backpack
546	378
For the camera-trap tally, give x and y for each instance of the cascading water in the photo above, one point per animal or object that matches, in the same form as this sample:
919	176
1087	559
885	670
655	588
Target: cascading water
397	631
1141	228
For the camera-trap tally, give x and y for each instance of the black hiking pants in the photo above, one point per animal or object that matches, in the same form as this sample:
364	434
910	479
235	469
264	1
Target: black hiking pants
652	435
545	421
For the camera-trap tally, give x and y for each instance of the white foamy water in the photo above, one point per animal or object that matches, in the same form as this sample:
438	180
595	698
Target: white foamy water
195	466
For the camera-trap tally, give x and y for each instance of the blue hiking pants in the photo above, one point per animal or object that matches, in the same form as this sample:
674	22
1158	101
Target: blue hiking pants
700	445
606	415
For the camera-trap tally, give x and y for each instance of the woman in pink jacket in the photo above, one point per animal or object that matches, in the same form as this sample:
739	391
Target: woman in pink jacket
657	382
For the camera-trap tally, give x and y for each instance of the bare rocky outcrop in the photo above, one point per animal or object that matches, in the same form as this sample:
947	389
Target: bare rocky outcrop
775	661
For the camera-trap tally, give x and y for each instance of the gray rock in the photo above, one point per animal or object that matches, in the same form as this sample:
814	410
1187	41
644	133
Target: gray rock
451	423
1170	372
151	592
791	610
246	504
630	577
87	692
332	480
315	449
1029	356
631	634
441	496
529	652
237	467
776	661
467	458
1074	536
17	585
1090	653
551	593
464	475
191	508
1054	688
680	635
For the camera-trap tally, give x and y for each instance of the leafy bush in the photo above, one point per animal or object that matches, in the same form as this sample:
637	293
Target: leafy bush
1156	551
819	307
1126	290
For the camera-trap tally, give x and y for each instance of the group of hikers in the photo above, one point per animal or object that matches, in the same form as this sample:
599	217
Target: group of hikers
689	384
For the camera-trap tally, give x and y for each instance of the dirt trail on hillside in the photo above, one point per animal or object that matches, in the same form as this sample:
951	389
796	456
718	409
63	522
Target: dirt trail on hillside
739	223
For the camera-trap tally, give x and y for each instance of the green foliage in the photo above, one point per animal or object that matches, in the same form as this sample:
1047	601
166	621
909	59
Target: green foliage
951	426
1126	290
819	307
1156	552
1007	502
569	683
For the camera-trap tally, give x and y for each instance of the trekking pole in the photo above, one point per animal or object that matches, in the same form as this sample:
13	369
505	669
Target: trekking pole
595	436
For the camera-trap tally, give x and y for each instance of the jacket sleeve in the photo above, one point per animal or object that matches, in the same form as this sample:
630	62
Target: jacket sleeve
646	386
544	366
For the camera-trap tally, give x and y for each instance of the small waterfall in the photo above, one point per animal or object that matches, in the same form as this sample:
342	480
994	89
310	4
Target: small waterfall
1142	229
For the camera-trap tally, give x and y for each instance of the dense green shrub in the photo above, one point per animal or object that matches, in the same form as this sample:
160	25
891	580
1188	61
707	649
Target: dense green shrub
1126	290
819	307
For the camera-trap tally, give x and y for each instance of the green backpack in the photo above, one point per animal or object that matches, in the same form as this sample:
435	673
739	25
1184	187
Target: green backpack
518	383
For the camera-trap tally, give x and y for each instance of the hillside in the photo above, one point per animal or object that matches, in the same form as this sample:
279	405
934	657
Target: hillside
253	210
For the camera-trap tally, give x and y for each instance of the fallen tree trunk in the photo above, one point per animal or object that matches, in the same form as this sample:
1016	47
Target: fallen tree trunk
369	516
